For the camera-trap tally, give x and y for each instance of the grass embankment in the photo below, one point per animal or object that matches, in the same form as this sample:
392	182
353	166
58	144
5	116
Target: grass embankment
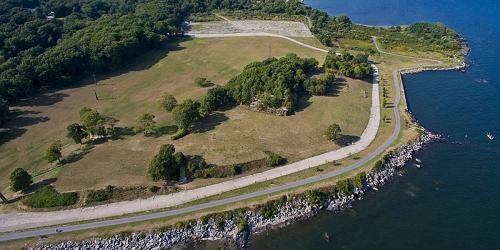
227	137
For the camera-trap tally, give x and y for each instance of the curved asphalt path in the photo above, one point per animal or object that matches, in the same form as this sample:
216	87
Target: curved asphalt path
137	218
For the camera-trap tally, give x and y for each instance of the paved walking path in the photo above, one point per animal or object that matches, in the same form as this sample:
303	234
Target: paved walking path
16	221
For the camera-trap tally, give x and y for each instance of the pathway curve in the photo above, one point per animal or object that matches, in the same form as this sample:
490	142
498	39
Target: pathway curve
16	221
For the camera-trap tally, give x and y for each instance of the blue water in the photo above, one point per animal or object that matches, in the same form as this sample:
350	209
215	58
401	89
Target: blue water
454	201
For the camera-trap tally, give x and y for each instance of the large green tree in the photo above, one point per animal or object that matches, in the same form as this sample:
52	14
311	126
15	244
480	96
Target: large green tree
20	179
93	121
53	152
186	114
76	132
215	98
166	164
146	124
333	131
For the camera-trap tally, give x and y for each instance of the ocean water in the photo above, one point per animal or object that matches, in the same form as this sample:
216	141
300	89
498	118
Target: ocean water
453	202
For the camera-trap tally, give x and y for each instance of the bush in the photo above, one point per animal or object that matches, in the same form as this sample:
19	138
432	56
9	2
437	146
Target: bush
154	189
99	195
49	197
168	102
269	209
359	180
203	82
20	179
344	186
315	197
218	172
242	225
379	165
274	159
179	134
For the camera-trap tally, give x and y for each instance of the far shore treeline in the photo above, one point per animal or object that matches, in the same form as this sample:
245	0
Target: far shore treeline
51	43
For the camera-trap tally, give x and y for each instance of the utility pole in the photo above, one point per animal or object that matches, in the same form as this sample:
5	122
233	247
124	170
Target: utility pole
269	56
5	201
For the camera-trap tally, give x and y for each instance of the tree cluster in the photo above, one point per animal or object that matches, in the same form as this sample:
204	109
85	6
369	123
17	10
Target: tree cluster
348	65
276	82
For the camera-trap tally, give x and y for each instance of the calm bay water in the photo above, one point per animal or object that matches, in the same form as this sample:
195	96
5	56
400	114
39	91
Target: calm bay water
453	202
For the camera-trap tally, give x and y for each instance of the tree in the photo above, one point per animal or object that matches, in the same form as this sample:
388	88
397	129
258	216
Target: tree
166	164
20	179
215	98
333	132
146	124
186	113
4	111
76	132
93	121
53	153
168	102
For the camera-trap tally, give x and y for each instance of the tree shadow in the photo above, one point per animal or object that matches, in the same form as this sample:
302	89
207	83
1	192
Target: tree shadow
302	103
335	88
165	130
346	140
210	122
123	132
76	156
9	134
18	119
36	186
43	99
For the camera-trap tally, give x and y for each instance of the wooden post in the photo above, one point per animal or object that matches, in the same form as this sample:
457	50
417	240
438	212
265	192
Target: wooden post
3	198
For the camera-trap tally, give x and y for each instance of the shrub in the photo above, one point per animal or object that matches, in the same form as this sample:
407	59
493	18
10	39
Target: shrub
20	179
242	225
218	171
168	102
99	195
269	209
179	134
315	197
154	189
344	186
379	165
49	197
274	159
203	82
359	180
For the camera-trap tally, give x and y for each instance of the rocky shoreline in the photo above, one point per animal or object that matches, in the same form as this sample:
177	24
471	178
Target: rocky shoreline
227	225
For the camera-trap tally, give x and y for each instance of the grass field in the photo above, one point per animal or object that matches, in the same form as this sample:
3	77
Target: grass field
232	136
